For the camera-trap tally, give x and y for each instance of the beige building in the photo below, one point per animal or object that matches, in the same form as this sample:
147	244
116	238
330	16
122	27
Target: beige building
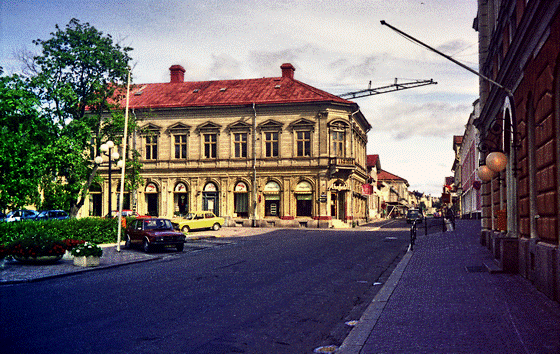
269	152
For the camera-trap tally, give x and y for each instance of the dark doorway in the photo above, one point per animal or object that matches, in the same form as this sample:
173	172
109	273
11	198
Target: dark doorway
210	202
152	202
304	204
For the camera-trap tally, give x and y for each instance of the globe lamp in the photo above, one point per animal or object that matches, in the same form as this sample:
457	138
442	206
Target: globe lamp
496	161
485	173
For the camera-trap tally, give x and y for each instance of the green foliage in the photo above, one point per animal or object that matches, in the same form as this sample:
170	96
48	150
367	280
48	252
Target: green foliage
95	230
25	134
80	75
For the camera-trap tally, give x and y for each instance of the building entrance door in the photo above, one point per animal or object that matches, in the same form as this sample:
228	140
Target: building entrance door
210	202
152	202
338	205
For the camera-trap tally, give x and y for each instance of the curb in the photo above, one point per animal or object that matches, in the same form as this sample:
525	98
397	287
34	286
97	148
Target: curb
356	340
77	271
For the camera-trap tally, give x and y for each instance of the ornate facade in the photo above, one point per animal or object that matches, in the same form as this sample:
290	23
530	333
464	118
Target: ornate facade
267	152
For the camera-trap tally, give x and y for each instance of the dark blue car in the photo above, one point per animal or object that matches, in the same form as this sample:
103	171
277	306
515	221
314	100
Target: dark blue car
52	215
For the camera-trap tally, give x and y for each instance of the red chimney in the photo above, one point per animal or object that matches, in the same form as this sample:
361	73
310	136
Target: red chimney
288	70
177	73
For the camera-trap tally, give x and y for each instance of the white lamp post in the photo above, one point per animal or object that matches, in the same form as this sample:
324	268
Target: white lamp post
113	156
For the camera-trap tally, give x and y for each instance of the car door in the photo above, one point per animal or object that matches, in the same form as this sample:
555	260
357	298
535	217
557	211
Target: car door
135	231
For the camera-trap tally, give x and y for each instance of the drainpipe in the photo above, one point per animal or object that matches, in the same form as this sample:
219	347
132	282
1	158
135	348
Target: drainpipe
353	155
255	213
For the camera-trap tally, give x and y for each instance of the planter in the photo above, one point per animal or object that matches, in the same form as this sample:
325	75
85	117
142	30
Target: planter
38	260
90	261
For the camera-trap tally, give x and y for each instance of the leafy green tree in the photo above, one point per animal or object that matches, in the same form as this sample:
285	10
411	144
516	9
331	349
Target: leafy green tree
79	80
25	136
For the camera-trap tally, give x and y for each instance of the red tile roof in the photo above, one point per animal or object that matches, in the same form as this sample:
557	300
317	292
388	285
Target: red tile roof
273	90
457	139
387	176
372	160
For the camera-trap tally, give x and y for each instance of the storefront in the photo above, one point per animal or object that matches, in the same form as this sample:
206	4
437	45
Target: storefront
272	199
241	200
210	198
304	199
152	199
180	199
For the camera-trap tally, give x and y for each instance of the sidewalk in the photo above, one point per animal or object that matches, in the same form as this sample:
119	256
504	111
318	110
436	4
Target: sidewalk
441	299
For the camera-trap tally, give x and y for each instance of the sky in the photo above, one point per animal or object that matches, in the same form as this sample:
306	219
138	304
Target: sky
335	45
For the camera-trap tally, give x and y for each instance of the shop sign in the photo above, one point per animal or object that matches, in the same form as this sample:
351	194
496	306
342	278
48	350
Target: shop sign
240	187
272	187
180	188
151	188
210	187
367	189
304	187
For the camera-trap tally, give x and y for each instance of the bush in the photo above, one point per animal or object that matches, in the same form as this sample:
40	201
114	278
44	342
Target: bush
95	230
37	246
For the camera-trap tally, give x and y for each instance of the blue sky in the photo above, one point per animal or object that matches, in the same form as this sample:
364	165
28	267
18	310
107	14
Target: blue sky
337	46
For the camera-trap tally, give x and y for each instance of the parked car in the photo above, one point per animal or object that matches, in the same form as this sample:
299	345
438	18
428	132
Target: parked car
21	214
52	215
153	232
126	213
414	215
198	220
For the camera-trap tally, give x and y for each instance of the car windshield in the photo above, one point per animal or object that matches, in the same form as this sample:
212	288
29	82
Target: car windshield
157	224
189	216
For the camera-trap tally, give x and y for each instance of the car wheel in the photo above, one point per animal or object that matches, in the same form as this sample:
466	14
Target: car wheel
180	247
128	242
185	229
216	227
146	246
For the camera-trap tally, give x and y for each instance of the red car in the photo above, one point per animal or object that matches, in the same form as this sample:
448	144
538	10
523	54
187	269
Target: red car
154	232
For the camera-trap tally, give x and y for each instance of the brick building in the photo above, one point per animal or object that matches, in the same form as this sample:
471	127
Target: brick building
269	151
520	49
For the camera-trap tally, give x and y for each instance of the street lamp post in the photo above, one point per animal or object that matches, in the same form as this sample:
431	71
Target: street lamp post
113	156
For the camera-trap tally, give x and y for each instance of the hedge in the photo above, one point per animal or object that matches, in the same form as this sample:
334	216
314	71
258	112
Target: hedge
95	230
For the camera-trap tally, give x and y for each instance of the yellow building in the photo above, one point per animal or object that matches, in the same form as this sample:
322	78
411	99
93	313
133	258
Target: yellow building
267	152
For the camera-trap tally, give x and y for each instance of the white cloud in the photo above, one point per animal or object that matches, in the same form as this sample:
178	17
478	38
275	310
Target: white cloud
335	45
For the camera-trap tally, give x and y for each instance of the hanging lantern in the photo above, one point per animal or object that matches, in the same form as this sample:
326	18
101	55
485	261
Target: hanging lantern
485	173
496	161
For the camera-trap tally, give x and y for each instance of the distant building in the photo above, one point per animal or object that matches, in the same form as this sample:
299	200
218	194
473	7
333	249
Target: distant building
456	186
268	152
374	199
470	189
394	193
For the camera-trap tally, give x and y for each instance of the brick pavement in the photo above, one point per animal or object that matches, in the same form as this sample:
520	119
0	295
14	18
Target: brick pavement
441	299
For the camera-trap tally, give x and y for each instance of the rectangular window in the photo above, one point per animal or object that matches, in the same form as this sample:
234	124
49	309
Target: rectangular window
338	143
151	148
180	146
303	139
240	142
271	144
210	146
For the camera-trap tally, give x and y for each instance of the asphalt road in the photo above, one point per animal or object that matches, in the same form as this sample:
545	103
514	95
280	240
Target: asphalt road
288	291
